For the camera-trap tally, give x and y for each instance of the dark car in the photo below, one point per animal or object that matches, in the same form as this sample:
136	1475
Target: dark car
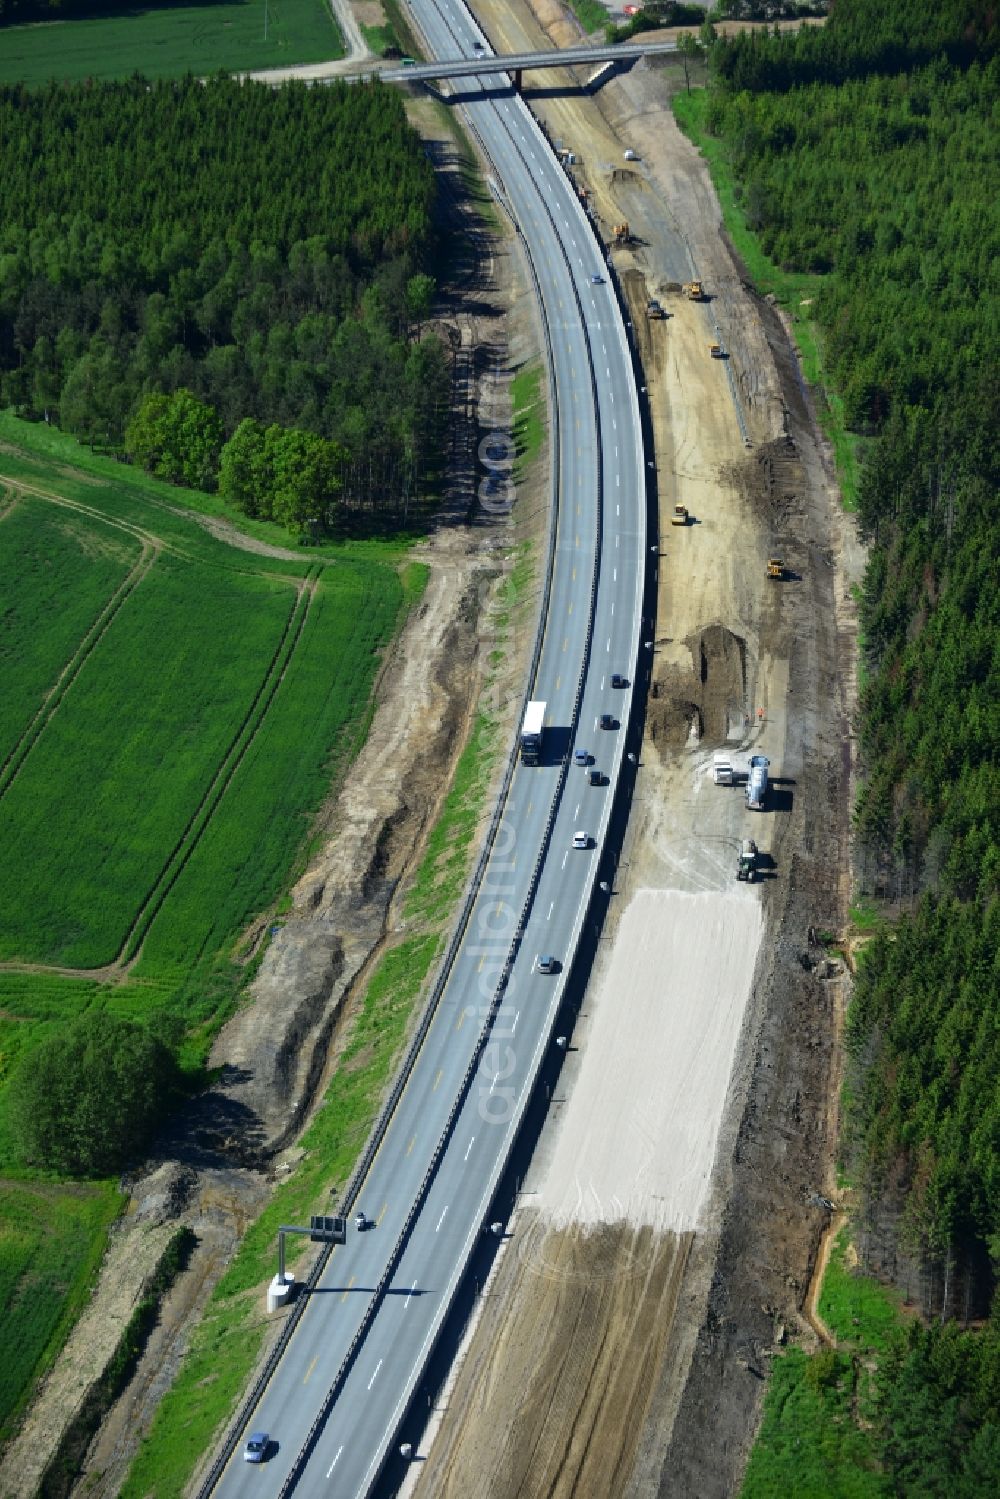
608	721
617	680
596	777
255	1450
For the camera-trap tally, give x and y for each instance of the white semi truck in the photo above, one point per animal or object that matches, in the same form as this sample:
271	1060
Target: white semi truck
531	733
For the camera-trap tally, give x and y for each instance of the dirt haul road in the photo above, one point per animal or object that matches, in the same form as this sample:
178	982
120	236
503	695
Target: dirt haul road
664	1235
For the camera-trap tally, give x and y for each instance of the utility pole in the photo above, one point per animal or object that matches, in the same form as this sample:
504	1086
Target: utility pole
265	20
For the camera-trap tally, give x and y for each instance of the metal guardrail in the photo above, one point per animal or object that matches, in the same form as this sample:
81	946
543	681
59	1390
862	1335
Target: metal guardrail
378	1131
502	1162
483	1040
381	1125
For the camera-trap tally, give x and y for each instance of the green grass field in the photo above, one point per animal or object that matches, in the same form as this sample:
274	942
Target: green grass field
177	709
51	1241
166	40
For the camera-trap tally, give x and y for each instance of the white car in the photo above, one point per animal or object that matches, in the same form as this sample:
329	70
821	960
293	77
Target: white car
597	279
581	840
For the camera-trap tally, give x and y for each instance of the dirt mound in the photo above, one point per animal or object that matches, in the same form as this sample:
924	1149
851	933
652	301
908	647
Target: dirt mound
709	701
771	480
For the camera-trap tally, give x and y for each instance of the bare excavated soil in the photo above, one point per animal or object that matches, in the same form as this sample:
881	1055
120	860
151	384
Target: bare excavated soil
578	1331
694	1106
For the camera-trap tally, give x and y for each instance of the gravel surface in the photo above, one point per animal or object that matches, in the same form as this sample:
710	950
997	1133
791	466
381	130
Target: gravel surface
638	1135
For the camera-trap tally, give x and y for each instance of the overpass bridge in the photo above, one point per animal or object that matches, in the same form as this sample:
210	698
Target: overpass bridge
516	64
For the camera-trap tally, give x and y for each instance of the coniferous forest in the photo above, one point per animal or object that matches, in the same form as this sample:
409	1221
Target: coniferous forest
868	151
177	259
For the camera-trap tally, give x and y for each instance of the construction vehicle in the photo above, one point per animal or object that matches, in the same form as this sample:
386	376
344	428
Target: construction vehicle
775	567
622	234
531	733
746	864
680	516
693	291
723	769
653	309
756	792
717	351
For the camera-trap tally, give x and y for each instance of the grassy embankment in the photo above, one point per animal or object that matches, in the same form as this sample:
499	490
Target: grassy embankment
175	710
591	15
227	1344
815	1439
164	40
793	290
528	400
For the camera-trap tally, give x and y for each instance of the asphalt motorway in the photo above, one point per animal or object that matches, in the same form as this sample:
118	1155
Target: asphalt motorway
430	1186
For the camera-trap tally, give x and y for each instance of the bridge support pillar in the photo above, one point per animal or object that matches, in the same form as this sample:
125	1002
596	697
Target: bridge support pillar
515	79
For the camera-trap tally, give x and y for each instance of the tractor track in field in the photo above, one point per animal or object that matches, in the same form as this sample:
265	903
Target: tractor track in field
14	762
241	742
151	547
200	819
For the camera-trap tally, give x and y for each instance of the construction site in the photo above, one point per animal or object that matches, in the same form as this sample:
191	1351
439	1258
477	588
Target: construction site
668	1226
667	1229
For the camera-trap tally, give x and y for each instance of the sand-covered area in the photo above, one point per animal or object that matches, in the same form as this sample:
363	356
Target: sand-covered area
639	1134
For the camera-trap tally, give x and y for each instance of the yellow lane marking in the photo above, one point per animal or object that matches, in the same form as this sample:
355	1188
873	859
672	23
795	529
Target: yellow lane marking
311	1368
349	1285
461	1020
381	1212
411	1144
437	1079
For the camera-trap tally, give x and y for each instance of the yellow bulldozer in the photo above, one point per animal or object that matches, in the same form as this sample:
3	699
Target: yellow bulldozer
622	234
775	567
693	291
